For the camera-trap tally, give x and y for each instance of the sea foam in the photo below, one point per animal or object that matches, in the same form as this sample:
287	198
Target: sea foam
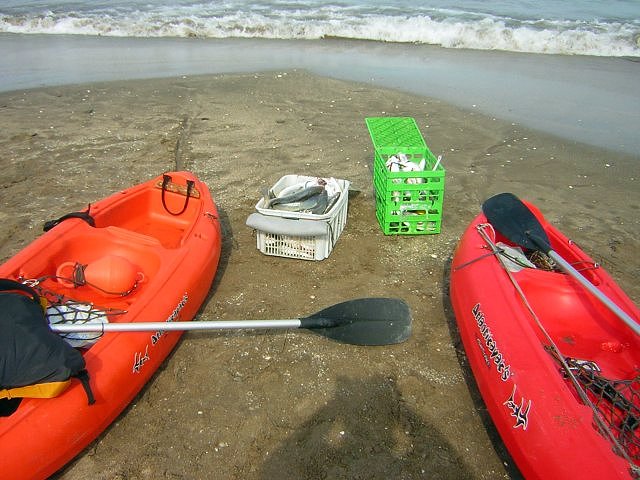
446	29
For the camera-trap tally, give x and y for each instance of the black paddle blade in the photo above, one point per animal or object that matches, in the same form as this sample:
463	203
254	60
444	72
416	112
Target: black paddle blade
514	220
364	321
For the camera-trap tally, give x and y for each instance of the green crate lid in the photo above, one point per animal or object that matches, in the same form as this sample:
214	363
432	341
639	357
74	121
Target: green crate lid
395	132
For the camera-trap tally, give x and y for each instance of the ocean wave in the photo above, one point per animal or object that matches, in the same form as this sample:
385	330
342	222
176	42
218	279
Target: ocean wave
446	30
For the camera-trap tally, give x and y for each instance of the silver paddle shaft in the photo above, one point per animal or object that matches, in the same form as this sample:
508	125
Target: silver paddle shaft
173	326
624	316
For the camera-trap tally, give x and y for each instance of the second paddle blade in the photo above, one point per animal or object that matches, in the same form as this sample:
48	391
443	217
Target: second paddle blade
365	321
513	219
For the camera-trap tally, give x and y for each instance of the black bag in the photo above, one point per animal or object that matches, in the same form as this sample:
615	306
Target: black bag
34	361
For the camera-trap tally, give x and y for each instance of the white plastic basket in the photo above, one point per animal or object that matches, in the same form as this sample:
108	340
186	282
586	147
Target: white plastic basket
284	240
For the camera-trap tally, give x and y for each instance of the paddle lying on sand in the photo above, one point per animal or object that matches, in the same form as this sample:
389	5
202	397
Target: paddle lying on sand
514	220
364	321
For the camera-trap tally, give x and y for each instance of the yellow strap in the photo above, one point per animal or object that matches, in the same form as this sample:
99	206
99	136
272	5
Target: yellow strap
39	390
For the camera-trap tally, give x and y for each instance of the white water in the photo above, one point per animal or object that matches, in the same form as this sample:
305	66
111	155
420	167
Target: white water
579	27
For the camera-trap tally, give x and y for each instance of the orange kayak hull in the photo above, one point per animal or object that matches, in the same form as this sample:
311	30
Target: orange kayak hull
168	244
503	324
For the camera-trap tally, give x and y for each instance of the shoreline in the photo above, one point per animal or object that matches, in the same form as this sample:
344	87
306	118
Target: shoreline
585	99
295	405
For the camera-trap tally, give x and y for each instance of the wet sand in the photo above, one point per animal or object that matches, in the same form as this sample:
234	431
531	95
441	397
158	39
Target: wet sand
588	99
292	404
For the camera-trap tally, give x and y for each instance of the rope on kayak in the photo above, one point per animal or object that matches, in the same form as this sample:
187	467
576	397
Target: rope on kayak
599	416
616	400
79	279
497	251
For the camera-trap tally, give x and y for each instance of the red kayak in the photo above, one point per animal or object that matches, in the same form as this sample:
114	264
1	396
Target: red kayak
557	368
147	253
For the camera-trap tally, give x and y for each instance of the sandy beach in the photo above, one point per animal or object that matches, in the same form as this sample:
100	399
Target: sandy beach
294	405
588	99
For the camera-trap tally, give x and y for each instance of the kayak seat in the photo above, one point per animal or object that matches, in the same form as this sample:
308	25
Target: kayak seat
567	313
115	260
133	237
150	218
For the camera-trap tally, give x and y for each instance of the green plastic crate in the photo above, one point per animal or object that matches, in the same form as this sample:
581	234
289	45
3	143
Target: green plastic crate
407	203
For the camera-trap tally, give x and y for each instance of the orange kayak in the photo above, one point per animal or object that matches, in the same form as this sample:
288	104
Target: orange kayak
558	371
147	253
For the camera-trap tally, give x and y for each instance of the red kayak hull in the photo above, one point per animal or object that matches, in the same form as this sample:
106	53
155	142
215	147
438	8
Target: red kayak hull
176	256
547	430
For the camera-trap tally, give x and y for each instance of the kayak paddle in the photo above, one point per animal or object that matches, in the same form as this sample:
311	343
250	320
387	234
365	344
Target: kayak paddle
514	220
364	321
